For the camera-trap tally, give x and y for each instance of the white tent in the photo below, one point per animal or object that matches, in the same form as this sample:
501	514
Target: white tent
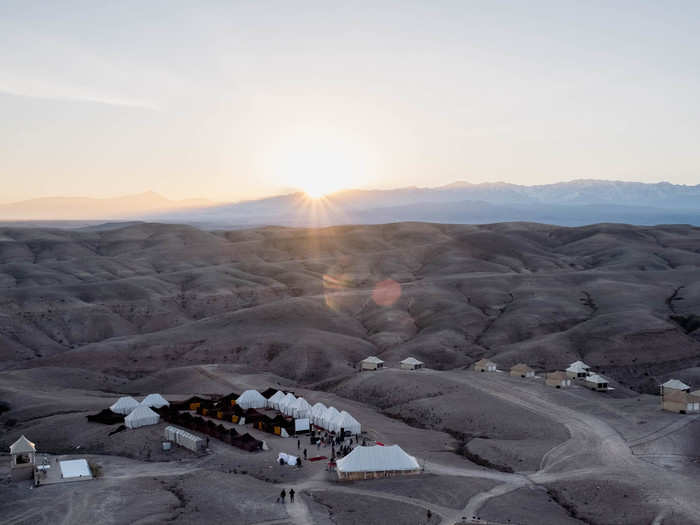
317	412
274	401
251	399
124	405
155	400
346	422
288	459
288	400
378	459
328	416
300	408
140	417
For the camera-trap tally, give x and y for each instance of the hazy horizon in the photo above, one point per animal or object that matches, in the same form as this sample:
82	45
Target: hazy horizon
232	102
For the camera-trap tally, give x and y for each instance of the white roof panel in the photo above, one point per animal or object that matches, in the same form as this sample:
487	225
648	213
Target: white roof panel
75	468
377	459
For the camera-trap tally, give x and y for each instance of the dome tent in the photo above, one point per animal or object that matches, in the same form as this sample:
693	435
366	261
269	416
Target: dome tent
346	422
274	401
300	408
141	416
288	400
124	405
251	399
317	412
155	401
330	414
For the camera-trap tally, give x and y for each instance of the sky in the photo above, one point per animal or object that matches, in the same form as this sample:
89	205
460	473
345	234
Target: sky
236	100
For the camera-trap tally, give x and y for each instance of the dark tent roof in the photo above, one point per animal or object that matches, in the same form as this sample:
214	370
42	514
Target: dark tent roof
106	417
267	394
246	442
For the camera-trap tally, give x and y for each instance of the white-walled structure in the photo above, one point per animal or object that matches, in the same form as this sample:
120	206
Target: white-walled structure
124	405
141	416
251	399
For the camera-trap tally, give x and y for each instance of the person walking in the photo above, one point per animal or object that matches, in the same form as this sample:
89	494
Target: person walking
298	444
291	495
283	495
304	453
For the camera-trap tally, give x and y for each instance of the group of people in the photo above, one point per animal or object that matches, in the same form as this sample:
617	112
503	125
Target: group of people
283	496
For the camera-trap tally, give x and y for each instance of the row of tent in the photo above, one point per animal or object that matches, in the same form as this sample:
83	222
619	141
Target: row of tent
208	427
327	418
124	405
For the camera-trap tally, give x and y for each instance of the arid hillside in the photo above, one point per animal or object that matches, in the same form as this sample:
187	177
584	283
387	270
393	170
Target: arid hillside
308	304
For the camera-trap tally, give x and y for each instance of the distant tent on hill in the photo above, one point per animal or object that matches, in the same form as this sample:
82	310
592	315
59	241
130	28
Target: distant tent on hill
141	416
411	363
124	405
376	462
106	417
251	399
155	401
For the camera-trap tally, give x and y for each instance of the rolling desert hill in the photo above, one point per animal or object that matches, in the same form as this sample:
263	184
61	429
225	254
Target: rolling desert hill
307	304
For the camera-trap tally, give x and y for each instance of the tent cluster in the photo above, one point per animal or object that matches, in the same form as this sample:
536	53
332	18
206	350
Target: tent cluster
327	418
210	428
132	413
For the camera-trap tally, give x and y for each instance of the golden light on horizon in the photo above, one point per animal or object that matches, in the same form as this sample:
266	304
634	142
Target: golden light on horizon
318	162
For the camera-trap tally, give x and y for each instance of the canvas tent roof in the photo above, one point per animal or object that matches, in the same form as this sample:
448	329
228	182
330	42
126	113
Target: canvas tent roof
22	446
377	459
274	400
557	375
595	378
521	367
285	403
345	421
372	359
124	405
300	408
675	384
155	400
330	414
251	399
317	412
578	366
411	361
484	362
140	417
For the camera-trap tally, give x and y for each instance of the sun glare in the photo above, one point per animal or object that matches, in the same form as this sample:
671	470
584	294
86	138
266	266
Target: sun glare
319	164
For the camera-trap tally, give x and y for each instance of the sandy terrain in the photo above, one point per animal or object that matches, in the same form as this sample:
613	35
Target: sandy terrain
86	316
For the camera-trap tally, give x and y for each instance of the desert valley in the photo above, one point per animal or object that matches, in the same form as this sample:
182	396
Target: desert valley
93	314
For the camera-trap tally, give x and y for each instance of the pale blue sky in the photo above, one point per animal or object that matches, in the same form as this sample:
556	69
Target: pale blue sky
232	100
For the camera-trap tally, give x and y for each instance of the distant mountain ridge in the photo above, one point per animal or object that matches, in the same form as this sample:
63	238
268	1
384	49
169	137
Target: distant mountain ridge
86	208
570	203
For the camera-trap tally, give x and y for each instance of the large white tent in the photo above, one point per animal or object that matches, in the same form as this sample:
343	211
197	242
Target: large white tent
345	421
301	408
251	399
330	414
274	401
288	400
155	401
140	417
317	412
124	405
377	461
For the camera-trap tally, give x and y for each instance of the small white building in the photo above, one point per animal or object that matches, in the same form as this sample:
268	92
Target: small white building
411	363
673	384
578	369
485	365
596	382
22	458
371	363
